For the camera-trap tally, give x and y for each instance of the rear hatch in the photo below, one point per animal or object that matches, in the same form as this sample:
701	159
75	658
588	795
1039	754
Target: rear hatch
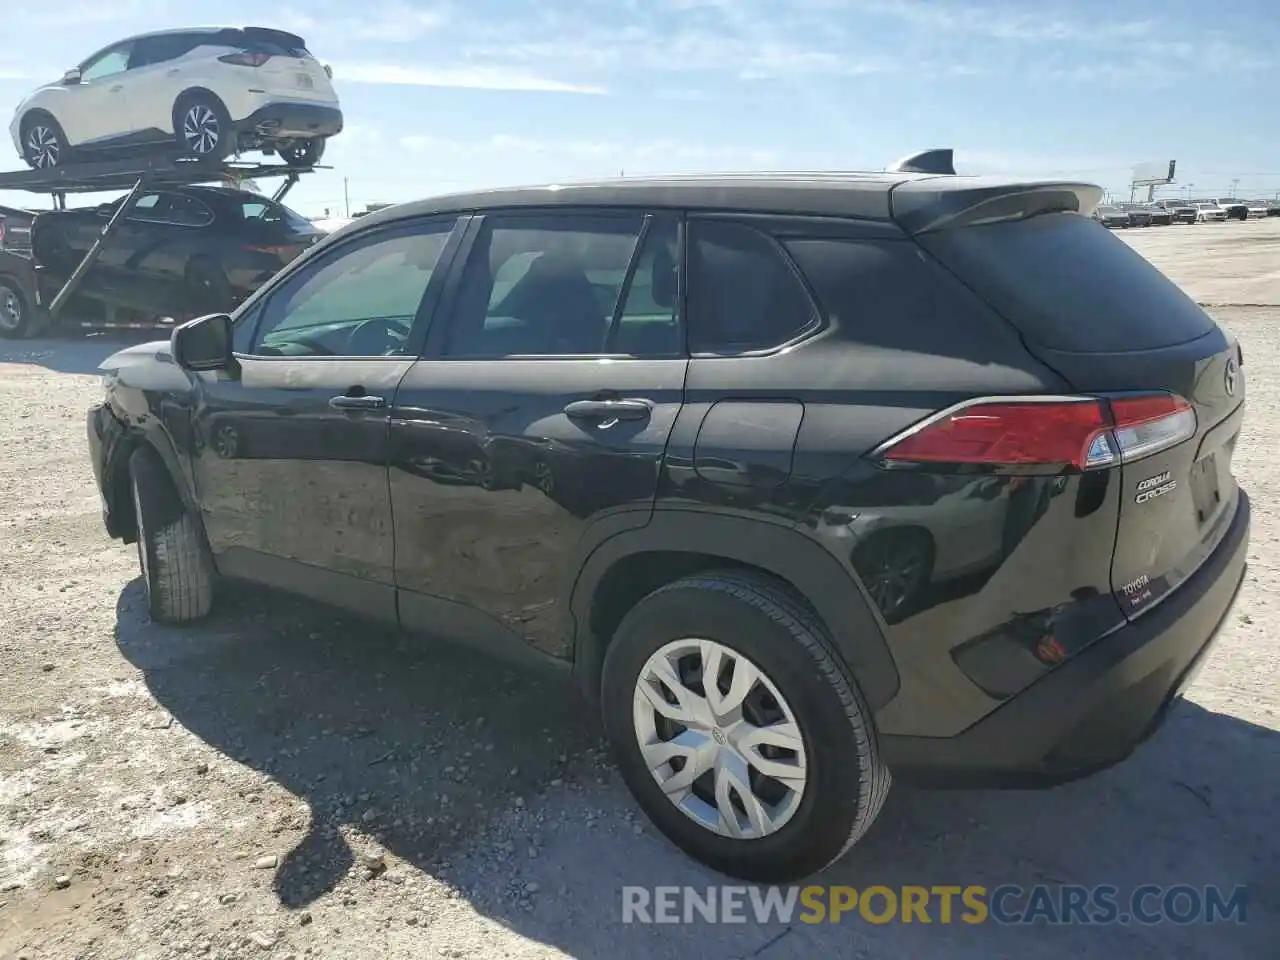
1114	326
289	69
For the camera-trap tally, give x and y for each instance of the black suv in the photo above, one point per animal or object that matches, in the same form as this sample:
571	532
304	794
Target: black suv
803	479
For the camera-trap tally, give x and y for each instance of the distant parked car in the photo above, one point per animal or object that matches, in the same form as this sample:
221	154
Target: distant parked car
1234	209
1111	217
1257	209
1160	216
1138	216
210	92
330	224
1180	211
1208	212
182	249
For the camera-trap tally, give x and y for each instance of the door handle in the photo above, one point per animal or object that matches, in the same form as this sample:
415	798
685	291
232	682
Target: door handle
609	410
357	403
117	88
173	73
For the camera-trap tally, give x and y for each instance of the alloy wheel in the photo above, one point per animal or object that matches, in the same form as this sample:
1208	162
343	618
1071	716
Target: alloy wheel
42	147
200	129
10	309
719	739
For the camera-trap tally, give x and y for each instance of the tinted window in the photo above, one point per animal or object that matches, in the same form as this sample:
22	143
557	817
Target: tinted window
1066	283
648	325
362	300
542	285
170	46
107	63
742	294
262	210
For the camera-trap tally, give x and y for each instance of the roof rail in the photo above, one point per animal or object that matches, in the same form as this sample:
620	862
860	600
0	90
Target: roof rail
940	160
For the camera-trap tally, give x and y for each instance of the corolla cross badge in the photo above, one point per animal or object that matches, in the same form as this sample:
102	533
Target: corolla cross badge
1230	376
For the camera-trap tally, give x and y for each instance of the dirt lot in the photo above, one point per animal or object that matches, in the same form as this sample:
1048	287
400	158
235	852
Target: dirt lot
279	782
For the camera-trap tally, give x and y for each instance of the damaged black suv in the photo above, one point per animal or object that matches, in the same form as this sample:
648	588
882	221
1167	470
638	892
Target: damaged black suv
806	480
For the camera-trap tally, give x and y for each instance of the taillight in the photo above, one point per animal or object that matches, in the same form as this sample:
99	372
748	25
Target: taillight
1083	433
246	59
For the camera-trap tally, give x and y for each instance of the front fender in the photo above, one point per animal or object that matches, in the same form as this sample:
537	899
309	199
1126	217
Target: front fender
152	397
777	548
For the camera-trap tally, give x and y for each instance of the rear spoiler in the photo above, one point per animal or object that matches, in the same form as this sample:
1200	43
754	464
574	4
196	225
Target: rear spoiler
946	202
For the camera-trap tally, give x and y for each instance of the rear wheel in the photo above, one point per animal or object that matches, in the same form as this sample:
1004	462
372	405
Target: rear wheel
15	316
202	127
44	145
208	289
303	153
177	570
738	730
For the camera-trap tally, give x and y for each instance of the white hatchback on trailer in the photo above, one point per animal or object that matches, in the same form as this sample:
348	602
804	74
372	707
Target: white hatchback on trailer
208	91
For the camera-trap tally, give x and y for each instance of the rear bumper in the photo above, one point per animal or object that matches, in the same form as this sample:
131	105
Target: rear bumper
1097	709
291	118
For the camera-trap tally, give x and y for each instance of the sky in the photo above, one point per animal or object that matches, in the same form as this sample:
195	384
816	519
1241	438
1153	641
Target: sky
447	95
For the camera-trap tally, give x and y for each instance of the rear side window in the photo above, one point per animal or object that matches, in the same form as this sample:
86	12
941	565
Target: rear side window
1067	284
743	294
888	294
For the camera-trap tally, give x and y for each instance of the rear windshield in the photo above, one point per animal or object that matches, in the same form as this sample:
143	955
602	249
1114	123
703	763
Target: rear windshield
1068	284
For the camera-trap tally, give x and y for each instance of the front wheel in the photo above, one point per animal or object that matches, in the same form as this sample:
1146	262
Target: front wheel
738	730
44	145
177	570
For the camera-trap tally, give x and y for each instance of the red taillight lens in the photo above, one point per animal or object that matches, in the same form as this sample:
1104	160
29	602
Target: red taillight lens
1008	433
246	59
1083	433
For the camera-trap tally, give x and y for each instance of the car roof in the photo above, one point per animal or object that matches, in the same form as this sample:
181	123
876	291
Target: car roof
849	194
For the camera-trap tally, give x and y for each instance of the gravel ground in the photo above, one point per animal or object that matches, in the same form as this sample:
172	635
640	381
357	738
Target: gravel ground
281	782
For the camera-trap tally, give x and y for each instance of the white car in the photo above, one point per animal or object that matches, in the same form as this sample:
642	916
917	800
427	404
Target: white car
1210	212
209	91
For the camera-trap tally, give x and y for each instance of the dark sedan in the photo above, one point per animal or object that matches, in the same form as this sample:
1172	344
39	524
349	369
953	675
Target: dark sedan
181	250
1112	217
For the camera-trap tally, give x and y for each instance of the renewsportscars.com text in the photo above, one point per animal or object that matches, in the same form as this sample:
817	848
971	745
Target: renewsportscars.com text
1062	904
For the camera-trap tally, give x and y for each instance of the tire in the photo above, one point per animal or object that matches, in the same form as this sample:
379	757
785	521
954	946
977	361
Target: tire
746	615
202	127
44	145
208	289
15	312
177	569
305	153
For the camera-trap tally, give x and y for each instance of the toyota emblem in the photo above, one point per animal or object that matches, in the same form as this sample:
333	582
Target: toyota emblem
1230	376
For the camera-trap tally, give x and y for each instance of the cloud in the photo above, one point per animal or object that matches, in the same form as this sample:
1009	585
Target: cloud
392	22
655	154
464	76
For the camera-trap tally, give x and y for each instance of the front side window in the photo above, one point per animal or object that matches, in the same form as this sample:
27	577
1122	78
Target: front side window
743	295
107	64
361	301
543	284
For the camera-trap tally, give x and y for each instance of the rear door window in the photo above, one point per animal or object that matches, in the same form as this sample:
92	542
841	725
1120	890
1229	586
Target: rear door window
1067	284
743	294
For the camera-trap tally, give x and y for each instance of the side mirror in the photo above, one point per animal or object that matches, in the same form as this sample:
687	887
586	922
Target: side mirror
203	343
328	71
71	77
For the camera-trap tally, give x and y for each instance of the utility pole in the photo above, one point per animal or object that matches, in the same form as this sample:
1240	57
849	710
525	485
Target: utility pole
346	197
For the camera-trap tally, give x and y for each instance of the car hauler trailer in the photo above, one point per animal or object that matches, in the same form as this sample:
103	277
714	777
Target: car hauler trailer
47	300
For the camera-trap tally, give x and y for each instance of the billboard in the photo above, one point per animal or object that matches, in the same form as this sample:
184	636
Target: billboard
1155	171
